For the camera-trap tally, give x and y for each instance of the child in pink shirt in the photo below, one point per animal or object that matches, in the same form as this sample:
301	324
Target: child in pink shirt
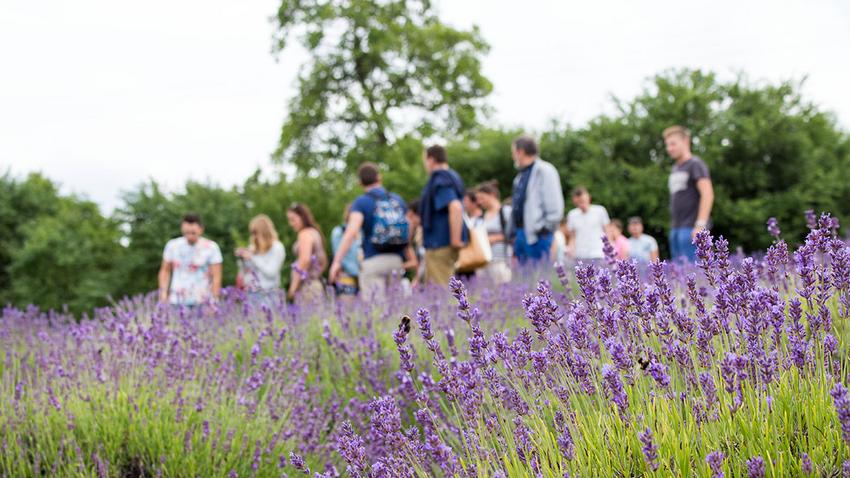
614	229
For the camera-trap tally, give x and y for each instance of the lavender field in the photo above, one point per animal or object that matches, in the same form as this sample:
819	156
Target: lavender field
733	367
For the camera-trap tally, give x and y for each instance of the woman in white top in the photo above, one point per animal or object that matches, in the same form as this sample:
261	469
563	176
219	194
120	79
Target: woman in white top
496	219
262	261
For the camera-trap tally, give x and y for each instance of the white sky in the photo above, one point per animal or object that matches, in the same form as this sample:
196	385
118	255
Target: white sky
102	94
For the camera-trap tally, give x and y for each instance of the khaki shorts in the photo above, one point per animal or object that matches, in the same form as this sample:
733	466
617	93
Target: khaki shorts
440	265
378	271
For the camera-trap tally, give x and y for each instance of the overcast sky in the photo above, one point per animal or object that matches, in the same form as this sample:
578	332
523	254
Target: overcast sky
101	94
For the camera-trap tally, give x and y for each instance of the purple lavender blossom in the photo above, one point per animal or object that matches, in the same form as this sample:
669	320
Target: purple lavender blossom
608	250
830	344
386	417
715	463
580	368
561	272
400	338
658	371
755	467
458	290
423	318
842	405
522	438
586	279
811	219
297	462
650	450
614	388
806	464
619	354
773	227
565	444
352	449
704	253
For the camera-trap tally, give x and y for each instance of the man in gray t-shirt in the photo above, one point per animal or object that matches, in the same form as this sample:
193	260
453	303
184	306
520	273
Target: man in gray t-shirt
691	193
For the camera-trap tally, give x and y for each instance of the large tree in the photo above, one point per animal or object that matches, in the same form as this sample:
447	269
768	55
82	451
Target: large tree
378	71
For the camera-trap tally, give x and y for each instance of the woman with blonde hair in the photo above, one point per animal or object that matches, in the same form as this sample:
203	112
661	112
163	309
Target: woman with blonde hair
261	263
311	260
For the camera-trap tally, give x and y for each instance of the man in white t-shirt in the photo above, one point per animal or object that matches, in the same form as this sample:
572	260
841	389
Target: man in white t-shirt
190	273
587	223
642	247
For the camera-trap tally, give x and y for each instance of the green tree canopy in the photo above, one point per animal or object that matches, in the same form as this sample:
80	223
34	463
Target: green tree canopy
55	250
378	70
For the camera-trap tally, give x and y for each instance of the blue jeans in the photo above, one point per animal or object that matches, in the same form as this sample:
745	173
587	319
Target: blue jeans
681	245
539	251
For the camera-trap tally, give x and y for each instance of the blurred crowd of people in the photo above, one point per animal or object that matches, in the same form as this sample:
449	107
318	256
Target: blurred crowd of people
448	230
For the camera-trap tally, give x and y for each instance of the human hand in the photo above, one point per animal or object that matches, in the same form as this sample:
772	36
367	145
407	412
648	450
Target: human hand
333	273
696	230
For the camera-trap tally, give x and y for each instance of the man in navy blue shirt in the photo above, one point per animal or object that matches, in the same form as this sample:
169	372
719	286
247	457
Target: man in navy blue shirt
378	267
442	217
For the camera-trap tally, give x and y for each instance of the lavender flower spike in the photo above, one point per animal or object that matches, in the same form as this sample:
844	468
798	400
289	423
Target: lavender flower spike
811	219
650	450
773	227
755	467
659	373
842	406
608	249
298	463
614	387
459	292
715	463
806	464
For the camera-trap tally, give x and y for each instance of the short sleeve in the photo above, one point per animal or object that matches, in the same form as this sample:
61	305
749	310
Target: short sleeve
336	238
168	252
361	205
653	244
443	196
215	254
699	170
603	216
571	225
